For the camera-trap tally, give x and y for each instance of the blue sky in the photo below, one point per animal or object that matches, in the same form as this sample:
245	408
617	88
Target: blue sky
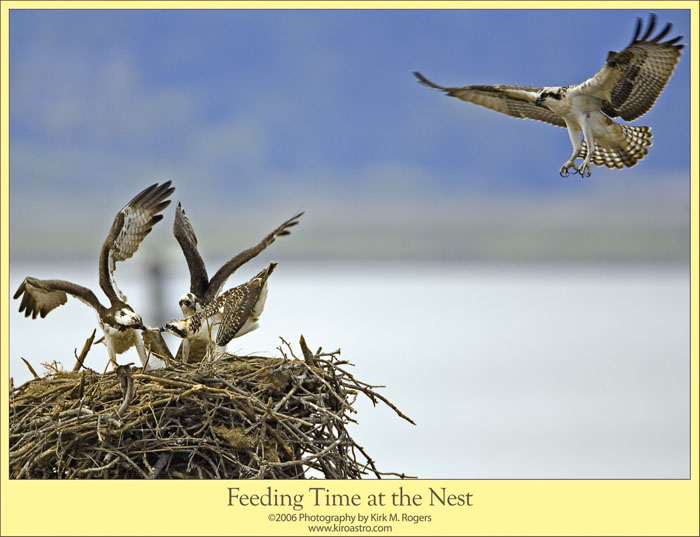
283	109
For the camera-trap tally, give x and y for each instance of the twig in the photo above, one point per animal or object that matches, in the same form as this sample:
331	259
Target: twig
127	385
83	353
31	369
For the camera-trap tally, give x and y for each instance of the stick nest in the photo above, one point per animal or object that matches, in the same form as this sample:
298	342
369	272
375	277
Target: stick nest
232	418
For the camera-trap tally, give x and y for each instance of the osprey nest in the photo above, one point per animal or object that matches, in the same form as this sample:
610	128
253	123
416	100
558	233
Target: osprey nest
231	418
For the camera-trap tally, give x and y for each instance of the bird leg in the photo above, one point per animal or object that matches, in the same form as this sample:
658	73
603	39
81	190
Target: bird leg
213	348
112	354
576	143
569	164
185	350
584	169
141	349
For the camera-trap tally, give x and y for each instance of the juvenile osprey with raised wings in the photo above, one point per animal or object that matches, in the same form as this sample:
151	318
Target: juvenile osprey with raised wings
232	313
626	86
203	290
122	326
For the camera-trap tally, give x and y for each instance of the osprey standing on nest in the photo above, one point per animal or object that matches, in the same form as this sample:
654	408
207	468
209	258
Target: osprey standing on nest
119	322
203	290
233	313
627	86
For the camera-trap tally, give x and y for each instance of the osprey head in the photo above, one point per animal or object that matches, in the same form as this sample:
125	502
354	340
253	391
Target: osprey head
125	317
188	304
554	93
178	327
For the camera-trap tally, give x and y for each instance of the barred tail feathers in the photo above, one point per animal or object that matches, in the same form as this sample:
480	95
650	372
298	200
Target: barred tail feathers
636	142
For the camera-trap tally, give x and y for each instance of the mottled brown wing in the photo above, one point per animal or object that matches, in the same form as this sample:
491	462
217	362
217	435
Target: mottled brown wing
40	297
238	304
515	101
632	80
219	279
187	239
130	226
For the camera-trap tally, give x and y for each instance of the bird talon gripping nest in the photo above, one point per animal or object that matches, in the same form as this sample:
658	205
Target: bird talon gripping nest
233	418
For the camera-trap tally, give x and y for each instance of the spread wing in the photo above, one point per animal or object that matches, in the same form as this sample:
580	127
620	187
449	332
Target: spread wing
632	80
39	297
130	226
219	279
184	233
516	101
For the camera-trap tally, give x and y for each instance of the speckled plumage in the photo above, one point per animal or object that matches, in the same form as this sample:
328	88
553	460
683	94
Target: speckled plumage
234	312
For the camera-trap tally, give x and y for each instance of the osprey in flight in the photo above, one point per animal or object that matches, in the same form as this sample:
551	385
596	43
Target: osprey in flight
203	290
626	86
233	313
120	323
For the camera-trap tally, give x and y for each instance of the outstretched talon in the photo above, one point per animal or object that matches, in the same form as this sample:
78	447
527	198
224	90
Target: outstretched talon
564	171
584	170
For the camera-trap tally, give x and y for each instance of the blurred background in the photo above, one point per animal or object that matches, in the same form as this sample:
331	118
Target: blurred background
532	326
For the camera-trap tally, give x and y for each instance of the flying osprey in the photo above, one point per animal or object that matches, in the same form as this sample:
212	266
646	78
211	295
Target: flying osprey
119	322
233	313
627	86
203	290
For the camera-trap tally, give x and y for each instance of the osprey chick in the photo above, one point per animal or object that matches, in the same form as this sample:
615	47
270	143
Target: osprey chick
204	290
626	86
233	313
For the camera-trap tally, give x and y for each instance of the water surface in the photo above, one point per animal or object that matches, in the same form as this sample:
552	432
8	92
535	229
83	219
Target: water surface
536	372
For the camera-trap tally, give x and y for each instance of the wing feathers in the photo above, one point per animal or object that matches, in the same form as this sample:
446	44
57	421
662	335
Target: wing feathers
237	307
638	28
240	303
427	82
186	237
652	24
515	101
662	34
40	297
674	41
130	227
219	279
632	80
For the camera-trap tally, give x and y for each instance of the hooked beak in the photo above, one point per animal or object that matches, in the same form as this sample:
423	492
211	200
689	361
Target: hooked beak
538	101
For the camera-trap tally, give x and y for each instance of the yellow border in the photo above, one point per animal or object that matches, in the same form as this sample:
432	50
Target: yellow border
344	4
554	507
